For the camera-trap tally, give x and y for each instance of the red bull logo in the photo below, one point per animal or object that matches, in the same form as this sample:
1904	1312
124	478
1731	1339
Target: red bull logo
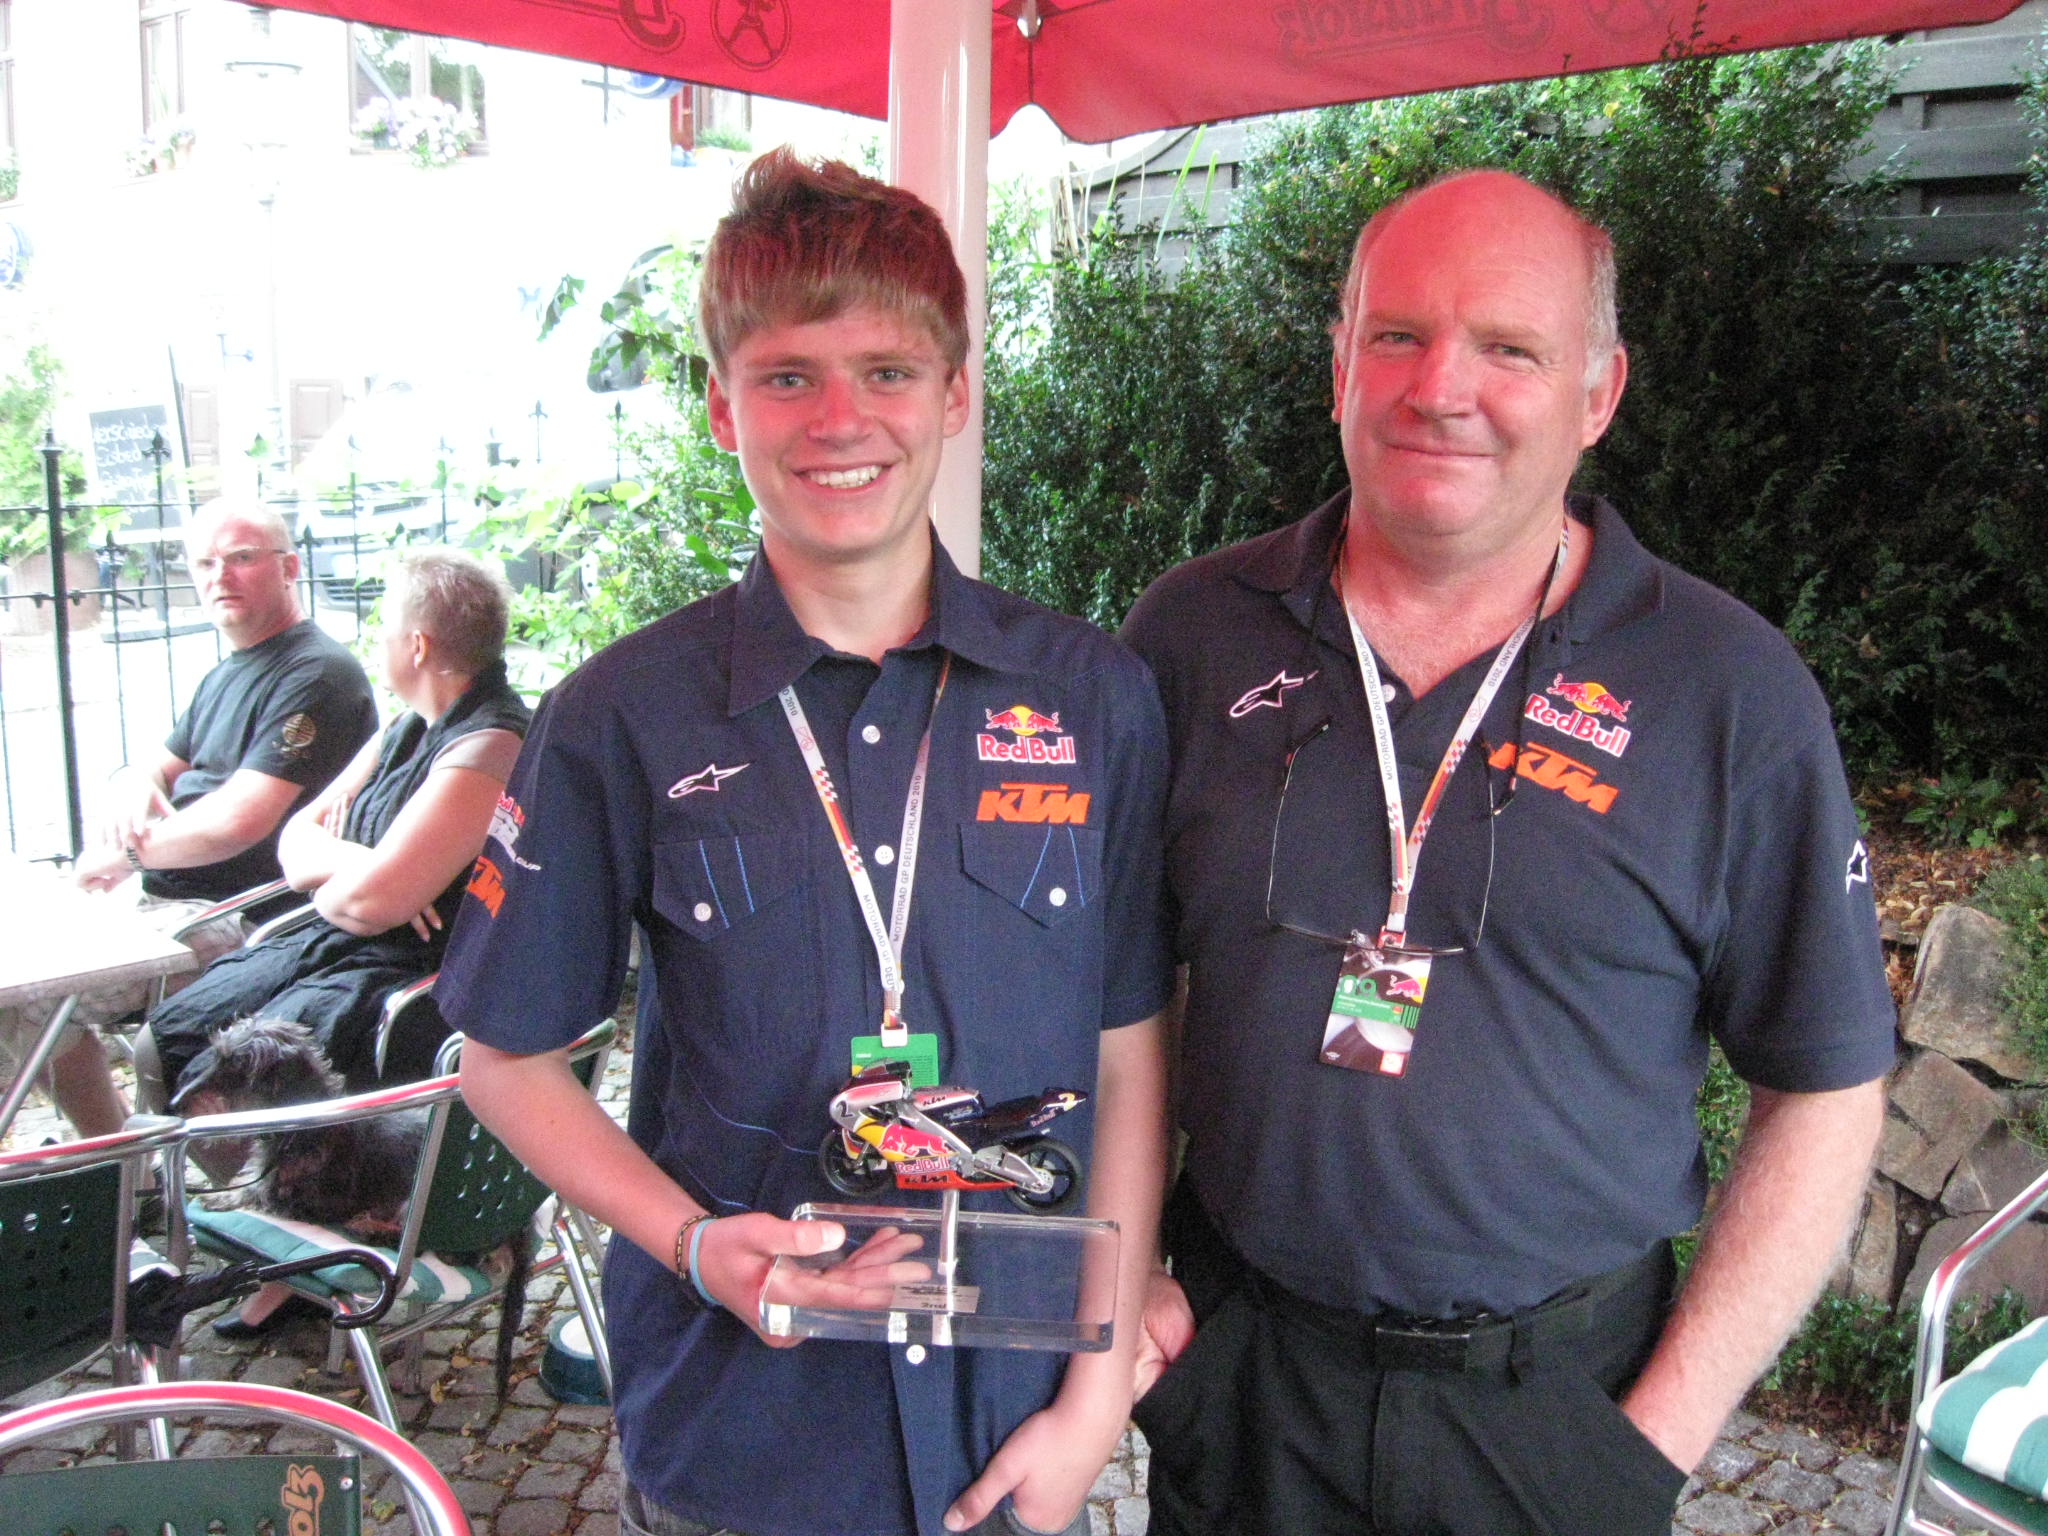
1028	730
1582	722
1398	985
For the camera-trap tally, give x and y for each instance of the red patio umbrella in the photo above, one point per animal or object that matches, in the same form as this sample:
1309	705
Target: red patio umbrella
947	73
1103	69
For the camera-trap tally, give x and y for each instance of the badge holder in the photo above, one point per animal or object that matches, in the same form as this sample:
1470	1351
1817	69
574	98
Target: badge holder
1030	1279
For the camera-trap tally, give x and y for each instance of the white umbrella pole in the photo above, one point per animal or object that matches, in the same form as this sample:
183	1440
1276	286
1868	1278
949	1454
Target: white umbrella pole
938	148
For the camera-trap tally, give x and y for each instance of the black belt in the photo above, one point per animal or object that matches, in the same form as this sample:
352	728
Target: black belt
1511	1346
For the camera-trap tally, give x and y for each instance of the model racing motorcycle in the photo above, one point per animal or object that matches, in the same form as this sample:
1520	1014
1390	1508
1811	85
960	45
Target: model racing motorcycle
946	1138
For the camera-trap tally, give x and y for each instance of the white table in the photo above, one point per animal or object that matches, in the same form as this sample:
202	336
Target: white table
58	941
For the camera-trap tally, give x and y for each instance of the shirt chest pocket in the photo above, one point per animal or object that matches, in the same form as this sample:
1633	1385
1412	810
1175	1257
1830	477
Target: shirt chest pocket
707	887
1047	873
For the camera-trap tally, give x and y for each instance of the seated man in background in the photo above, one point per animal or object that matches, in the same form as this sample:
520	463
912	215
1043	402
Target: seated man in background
273	722
384	851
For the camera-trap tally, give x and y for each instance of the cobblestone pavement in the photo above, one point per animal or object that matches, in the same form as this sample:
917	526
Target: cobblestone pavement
533	1467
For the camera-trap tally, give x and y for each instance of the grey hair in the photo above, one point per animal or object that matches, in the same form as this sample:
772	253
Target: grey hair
1603	323
463	604
242	509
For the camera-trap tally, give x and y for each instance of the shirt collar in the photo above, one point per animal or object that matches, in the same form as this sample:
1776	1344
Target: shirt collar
770	650
1621	584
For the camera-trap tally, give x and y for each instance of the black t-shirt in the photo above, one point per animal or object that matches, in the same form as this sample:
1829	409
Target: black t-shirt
295	707
1680	860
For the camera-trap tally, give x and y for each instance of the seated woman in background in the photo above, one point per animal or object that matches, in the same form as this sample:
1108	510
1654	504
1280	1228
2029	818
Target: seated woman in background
385	850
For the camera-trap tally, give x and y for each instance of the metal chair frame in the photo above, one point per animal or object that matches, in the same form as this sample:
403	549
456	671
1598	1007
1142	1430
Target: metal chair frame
574	1235
130	1151
434	1506
1943	1287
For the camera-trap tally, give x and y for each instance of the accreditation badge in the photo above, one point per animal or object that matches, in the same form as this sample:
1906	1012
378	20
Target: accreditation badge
920	1050
1375	1010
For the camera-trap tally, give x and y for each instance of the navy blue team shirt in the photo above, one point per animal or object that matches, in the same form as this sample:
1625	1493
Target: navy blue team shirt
1680	860
660	787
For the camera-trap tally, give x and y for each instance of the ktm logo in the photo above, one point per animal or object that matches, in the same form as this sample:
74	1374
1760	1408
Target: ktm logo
1550	768
487	885
1034	803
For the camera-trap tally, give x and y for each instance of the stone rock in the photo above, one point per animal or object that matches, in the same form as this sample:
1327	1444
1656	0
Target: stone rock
1873	1258
1784	1483
1954	1006
2018	1263
1802	1447
1861	1512
1991	1173
1728	1461
1937	1113
1723	1514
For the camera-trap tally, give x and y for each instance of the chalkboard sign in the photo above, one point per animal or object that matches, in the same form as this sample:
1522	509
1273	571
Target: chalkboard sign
125	470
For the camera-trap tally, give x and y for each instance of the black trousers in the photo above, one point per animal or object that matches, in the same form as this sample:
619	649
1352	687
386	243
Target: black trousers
1286	1418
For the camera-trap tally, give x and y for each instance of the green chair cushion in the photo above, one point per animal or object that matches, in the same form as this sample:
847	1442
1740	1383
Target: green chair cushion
277	1240
2009	1504
1993	1416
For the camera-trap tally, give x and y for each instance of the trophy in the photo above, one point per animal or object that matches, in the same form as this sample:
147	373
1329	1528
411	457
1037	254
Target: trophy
1033	1279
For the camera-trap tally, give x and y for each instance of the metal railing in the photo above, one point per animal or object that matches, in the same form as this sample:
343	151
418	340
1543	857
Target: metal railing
96	662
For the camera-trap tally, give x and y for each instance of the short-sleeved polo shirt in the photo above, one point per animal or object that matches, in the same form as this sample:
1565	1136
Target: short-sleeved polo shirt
295	707
661	787
1680	859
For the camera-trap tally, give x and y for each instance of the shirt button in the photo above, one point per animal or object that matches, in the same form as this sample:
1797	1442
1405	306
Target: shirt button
885	855
1387	692
871	734
701	912
914	1354
1057	896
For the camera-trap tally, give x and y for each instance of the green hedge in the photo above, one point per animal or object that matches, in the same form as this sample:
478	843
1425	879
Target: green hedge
1857	453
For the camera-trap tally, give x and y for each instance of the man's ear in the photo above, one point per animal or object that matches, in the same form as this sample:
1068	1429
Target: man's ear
719	409
1603	395
957	396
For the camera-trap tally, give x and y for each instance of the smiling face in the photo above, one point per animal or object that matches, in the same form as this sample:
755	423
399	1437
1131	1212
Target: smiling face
838	425
1461	385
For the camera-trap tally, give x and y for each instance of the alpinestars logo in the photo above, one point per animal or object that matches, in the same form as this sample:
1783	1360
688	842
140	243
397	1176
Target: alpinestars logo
1858	872
708	778
1268	695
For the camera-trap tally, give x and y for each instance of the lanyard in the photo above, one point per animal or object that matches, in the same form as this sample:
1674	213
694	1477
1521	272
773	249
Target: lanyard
1404	846
887	938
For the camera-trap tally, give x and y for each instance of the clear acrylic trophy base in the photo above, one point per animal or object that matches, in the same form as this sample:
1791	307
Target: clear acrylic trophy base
984	1279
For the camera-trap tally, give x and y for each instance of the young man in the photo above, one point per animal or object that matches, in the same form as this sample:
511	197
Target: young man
853	704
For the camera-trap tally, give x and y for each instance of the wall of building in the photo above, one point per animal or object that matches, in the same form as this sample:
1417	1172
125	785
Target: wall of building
277	261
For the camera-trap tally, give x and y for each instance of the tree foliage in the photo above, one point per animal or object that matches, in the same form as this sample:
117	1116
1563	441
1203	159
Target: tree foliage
1854	451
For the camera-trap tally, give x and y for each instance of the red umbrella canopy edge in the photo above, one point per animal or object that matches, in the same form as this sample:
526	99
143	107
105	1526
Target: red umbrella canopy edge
1105	69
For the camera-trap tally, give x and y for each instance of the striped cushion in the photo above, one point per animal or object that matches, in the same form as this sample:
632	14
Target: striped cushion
1993	1418
277	1240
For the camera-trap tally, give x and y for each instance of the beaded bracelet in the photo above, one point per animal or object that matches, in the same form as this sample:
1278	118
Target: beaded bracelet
688	1236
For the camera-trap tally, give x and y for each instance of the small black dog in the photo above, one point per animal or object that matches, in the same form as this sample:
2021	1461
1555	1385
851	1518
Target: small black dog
355	1176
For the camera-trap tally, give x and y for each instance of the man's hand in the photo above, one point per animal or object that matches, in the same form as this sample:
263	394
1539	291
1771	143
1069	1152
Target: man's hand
136	798
426	923
1046	1467
735	1253
101	869
1169	1329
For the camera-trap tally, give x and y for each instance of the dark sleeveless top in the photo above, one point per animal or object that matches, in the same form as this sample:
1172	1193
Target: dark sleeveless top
327	978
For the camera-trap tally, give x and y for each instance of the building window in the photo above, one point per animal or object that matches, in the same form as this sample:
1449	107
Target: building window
425	94
163	64
9	174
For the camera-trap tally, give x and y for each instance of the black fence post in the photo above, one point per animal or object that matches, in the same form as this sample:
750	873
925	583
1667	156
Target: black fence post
60	634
